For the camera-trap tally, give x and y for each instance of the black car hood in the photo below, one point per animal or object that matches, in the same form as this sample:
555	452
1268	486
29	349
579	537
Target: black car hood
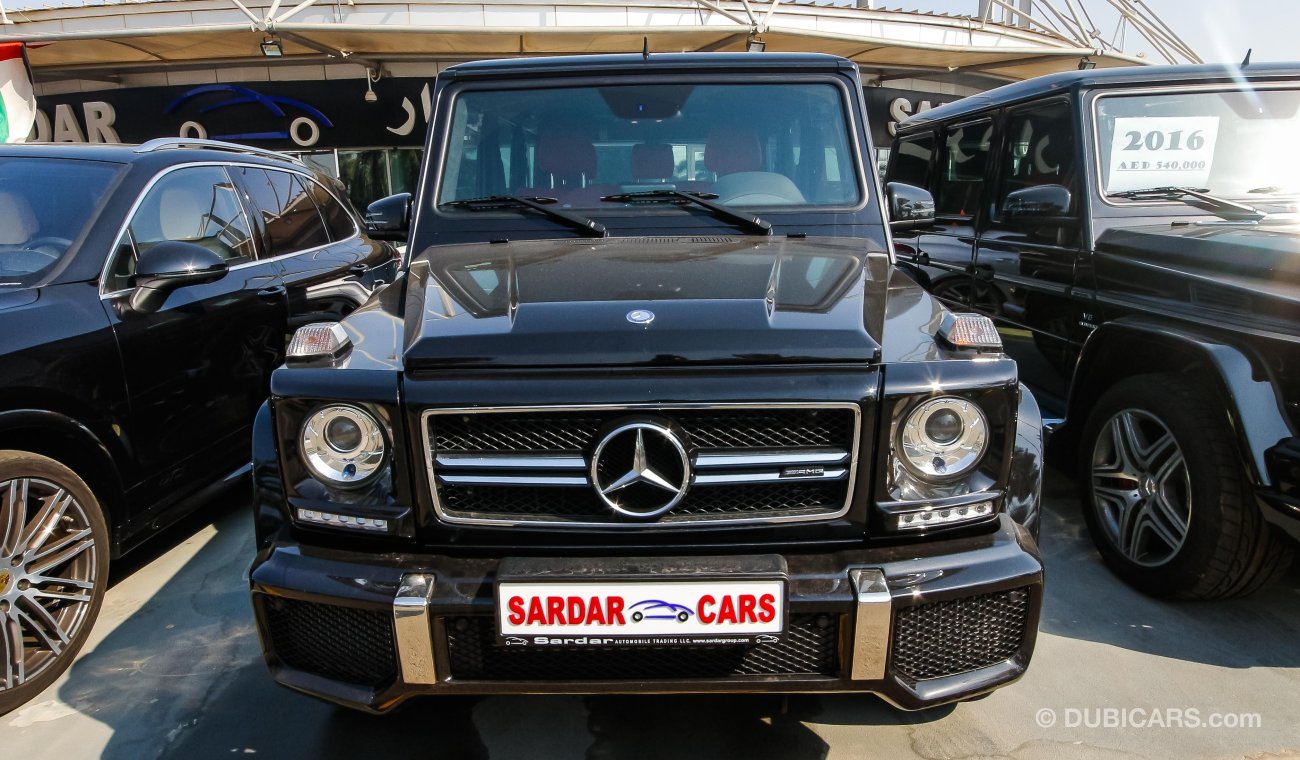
1250	256
717	300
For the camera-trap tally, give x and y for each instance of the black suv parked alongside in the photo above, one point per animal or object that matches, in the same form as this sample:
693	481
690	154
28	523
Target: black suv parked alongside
649	409
145	296
1134	234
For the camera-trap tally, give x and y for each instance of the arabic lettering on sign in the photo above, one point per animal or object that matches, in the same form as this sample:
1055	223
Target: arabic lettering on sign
1161	151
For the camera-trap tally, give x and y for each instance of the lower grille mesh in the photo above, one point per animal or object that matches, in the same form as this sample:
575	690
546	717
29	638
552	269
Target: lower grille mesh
958	636
810	648
342	643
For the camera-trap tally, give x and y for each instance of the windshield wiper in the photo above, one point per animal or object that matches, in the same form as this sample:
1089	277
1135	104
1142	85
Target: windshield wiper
589	227
749	222
1222	207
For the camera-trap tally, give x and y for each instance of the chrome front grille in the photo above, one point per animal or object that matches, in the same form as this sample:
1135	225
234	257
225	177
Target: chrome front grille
748	463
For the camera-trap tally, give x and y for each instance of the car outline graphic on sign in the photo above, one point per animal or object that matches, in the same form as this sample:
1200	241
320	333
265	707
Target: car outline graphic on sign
310	124
680	612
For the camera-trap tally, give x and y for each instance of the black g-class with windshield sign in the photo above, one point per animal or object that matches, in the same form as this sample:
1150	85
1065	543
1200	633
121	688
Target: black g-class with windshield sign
1133	232
650	409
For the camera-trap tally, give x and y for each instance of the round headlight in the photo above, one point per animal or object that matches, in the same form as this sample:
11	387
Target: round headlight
943	438
342	445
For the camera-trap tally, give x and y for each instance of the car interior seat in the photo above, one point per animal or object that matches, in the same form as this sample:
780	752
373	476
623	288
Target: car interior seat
736	156
19	222
566	169
652	162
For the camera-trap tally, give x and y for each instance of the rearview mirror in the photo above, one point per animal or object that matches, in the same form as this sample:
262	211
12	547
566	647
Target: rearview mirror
389	218
1040	203
169	265
909	206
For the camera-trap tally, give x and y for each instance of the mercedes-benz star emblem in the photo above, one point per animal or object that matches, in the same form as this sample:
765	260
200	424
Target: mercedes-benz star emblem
641	316
641	469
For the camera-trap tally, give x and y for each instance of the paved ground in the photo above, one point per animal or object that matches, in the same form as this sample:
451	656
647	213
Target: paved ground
174	671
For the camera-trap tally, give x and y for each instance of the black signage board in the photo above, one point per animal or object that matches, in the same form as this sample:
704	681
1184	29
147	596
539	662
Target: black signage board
312	115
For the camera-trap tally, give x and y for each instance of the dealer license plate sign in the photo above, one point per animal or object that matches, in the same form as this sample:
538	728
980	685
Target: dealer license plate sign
640	612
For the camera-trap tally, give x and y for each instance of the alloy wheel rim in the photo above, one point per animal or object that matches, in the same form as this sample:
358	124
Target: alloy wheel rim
47	576
1141	487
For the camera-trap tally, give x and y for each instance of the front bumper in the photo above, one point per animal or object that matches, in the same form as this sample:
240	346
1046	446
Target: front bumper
1283	462
920	625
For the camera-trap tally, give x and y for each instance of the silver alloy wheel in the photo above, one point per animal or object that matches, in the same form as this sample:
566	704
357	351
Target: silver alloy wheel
1141	489
47	576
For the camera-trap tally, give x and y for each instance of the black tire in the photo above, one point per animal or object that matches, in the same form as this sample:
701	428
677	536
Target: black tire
1226	549
965	292
75	548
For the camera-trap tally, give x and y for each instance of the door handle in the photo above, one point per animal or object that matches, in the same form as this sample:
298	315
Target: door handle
273	293
358	269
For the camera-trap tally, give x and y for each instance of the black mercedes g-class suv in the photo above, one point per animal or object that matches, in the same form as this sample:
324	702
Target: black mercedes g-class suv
146	294
650	409
1133	233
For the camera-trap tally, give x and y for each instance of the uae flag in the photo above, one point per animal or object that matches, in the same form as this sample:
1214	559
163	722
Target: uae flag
17	101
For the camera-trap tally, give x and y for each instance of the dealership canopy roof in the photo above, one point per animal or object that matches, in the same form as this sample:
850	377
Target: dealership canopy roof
191	33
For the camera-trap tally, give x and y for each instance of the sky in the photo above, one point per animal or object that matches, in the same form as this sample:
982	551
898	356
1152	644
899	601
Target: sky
1220	31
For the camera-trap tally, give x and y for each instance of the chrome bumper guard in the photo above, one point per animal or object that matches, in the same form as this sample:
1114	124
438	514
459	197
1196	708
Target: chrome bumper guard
413	629
873	616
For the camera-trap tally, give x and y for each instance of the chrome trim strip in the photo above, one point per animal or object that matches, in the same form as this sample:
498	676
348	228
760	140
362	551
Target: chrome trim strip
514	480
873	616
706	523
765	476
792	457
413	630
512	462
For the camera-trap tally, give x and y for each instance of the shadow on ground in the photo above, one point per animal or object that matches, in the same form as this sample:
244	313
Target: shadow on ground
1085	601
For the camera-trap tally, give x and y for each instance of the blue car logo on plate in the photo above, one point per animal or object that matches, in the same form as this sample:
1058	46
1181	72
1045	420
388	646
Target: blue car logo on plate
657	609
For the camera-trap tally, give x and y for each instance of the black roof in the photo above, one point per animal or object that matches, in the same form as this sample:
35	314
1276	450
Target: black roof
635	62
1126	76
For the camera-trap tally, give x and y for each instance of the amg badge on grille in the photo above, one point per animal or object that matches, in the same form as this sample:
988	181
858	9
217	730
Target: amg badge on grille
803	471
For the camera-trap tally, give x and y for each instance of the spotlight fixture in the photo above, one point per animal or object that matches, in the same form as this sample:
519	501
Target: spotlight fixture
755	45
1086	63
271	47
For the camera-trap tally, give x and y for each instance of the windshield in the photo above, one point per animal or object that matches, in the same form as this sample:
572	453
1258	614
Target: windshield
1231	144
45	204
781	145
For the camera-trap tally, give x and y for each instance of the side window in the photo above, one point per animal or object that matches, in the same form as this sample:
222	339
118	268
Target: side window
910	161
195	205
1041	150
289	214
337	219
961	169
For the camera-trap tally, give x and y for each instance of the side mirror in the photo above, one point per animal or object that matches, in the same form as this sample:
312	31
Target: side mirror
909	206
389	218
1040	203
169	265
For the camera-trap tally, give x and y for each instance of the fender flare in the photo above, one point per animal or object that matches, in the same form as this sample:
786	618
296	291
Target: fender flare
1024	499
268	487
1255	411
86	444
